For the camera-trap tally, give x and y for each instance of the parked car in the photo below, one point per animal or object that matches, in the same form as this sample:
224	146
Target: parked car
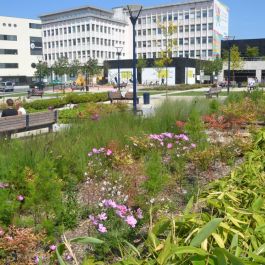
37	85
6	86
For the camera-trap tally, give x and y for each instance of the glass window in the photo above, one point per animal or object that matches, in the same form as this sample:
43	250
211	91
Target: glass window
175	17
204	13
56	32
149	32
210	39
148	20
203	53
83	28
8	37
187	16
210	53
144	32
180	41
198	14
88	27
164	18
154	31
192	28
180	29
198	27
69	30
186	41
198	53
187	28
180	53
204	26
52	32
169	17
65	30
154	19
34	26
186	54
139	32
144	21
210	12
139	21
192	40
192	15
159	31
192	54
204	40
210	26
149	43
139	44
180	16
144	44
198	40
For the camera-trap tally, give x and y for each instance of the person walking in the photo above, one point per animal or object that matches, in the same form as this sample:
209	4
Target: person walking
10	110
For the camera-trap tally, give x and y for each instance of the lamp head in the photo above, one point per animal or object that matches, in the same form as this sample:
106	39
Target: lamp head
134	11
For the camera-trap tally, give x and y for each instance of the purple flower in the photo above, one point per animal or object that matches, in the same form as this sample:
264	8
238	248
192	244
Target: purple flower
90	154
122	210
109	152
169	146
193	145
139	213
20	198
3	185
36	260
110	204
69	257
168	135
93	219
131	221
102	216
95	151
102	228
52	247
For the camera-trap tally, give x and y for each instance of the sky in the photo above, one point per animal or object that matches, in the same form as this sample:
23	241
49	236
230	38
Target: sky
246	16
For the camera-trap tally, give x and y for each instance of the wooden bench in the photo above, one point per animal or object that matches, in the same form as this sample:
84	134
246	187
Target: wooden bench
35	92
24	123
213	91
122	85
118	96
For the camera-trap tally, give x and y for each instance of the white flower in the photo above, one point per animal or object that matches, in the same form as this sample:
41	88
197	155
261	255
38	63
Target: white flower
118	193
103	189
100	204
152	200
126	198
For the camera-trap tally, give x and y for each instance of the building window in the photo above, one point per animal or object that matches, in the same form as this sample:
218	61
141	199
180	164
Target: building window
210	53
8	37
149	20
187	16
210	26
192	15
88	27
93	27
44	33
78	28
154	32
204	13
198	27
180	41
192	28
180	53
74	42
204	40
97	28
180	29
198	14
144	32
61	31
210	39
154	19
8	51
187	54
8	65
210	13
203	53
139	21
52	32
144	44
192	40
15	25
139	33
65	30
83	28
180	16
175	17
204	26
69	30
192	54
198	40
186	41
187	28
198	53
139	44
169	17
34	26
56	32
149	32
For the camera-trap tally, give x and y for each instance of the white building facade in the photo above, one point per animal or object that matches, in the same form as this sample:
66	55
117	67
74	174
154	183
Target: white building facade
83	33
200	26
20	47
90	32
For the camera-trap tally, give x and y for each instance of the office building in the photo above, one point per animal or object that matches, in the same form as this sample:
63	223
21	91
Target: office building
90	32
20	46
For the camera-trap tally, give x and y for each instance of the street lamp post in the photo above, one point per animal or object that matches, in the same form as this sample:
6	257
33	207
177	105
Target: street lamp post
229	38
134	12
119	50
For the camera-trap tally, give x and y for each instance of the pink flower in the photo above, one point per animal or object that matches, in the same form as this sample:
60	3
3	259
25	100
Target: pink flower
169	146
193	145
109	152
131	221
122	210
102	228
69	257
89	154
139	213
95	151
3	185
2	232
102	216
162	143
52	247
20	198
9	238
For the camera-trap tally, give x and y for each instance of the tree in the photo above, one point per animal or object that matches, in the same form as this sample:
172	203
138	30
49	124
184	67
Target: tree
252	52
166	54
74	68
42	70
211	67
90	68
61	67
236	61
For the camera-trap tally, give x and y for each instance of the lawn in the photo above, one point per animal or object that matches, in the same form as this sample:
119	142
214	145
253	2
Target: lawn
199	93
182	186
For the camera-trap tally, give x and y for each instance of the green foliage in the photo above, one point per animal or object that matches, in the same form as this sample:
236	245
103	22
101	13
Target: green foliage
42	70
73	98
252	52
61	66
196	130
211	67
157	177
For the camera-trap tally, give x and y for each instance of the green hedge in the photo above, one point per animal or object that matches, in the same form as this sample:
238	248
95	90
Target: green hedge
177	87
68	99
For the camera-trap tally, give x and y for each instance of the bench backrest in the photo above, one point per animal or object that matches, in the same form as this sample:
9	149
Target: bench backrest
29	121
128	95
215	89
115	95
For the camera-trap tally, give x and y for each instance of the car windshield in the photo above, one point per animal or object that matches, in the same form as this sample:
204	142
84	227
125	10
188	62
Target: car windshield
8	83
